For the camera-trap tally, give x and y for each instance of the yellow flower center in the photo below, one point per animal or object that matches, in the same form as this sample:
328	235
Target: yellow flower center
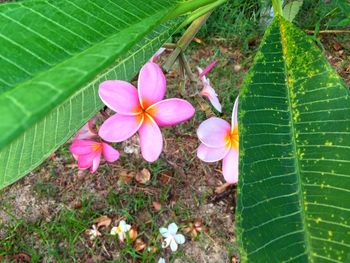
97	147
232	138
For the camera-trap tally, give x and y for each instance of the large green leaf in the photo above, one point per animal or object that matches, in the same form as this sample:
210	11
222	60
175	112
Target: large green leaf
294	124
53	56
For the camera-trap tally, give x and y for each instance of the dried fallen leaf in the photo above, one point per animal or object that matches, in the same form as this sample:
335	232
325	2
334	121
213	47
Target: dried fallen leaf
139	245
337	46
156	205
21	257
125	177
193	228
237	67
233	259
198	40
103	221
164	178
133	233
222	188
143	177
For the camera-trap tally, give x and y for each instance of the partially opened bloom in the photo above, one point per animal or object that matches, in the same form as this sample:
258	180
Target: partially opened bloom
157	54
171	237
208	91
94	233
121	230
88	153
220	141
142	110
87	131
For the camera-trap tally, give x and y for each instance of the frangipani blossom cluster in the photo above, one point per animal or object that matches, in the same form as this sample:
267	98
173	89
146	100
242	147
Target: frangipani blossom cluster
143	111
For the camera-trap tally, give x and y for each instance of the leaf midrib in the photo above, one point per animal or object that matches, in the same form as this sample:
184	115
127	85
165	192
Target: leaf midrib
294	142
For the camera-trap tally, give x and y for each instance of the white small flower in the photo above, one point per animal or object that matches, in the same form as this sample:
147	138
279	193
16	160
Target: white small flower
171	238
161	260
94	233
121	229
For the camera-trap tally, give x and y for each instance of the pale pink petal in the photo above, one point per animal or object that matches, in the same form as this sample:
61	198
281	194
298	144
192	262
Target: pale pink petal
207	69
210	93
157	54
120	96
109	153
95	163
204	80
85	161
234	120
230	166
215	102
86	132
210	155
118	128
212	132
151	84
171	111
80	147
151	140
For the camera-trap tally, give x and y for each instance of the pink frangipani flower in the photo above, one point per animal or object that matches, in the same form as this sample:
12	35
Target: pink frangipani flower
88	153
87	131
208	91
220	141
142	110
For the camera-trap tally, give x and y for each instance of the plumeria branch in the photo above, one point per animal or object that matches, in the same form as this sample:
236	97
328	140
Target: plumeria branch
185	40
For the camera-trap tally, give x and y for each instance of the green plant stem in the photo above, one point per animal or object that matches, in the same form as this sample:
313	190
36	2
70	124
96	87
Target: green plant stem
183	8
185	40
201	11
277	7
187	67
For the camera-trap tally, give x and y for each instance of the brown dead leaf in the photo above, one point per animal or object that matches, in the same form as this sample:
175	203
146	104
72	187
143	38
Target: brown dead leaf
21	257
337	46
133	233
143	177
156	205
126	177
103	221
222	188
234	259
193	228
237	68
198	40
164	178
139	245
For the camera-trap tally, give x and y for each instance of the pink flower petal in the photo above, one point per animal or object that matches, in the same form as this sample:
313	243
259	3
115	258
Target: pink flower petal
151	84
157	54
212	132
151	140
210	93
120	96
234	120
118	128
81	147
171	111
205	81
230	166
95	163
210	155
86	160
215	102
86	132
109	153
207	69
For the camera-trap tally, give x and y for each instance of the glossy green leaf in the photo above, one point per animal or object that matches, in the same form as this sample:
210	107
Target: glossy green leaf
53	56
292	9
294	124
